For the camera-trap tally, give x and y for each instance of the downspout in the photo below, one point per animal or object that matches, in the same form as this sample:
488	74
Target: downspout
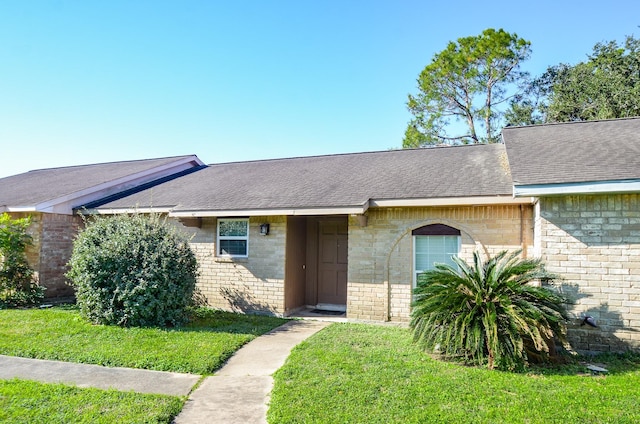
387	281
388	284
523	245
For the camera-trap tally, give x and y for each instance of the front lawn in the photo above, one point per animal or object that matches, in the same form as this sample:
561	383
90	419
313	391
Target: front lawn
372	374
31	402
61	334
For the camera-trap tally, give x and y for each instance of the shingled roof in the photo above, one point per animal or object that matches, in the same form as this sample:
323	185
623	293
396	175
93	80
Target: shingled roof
47	189
348	182
574	153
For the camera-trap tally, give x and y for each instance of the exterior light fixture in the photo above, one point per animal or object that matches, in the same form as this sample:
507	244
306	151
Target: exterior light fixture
589	320
264	229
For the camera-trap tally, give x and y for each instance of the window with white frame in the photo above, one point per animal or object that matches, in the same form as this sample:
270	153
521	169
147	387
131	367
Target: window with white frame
233	237
434	244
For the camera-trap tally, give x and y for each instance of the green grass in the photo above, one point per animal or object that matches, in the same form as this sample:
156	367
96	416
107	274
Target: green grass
61	334
352	373
31	402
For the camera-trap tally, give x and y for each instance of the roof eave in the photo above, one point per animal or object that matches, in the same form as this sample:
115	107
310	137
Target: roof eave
337	210
92	193
116	211
593	187
451	201
19	209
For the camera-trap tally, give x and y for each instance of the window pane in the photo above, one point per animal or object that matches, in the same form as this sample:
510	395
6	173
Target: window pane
422	262
452	245
436	243
233	228
431	250
439	258
233	247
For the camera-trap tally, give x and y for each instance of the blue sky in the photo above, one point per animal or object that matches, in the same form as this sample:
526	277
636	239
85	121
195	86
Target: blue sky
92	81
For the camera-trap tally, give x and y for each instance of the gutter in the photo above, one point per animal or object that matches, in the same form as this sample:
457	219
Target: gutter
593	187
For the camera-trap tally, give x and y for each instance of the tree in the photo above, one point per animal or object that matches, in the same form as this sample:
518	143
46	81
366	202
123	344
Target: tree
18	283
133	271
488	313
529	107
469	81
605	86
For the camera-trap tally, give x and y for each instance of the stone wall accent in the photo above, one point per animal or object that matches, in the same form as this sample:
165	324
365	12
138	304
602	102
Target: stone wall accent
593	241
381	253
254	284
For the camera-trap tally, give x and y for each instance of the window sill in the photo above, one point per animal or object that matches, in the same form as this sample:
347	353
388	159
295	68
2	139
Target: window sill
230	259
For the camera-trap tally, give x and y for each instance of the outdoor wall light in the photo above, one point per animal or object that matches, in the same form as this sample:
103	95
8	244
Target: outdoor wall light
264	229
589	320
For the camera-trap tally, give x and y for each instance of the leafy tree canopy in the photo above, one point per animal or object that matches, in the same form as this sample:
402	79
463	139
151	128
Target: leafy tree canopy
605	86
467	83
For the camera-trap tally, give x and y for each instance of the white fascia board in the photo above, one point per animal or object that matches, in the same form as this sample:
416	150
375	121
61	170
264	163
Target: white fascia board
19	209
116	211
451	201
539	190
354	210
94	193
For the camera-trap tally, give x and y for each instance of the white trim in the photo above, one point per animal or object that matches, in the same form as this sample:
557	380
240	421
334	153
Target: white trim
622	186
451	201
132	180
18	209
218	254
271	212
345	210
359	210
115	211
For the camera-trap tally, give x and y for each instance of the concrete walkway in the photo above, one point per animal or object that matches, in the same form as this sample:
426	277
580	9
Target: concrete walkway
83	375
237	393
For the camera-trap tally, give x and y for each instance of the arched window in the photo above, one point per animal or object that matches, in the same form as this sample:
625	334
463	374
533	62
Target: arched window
432	244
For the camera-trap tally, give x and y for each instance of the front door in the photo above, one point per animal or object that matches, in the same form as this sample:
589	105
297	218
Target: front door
332	262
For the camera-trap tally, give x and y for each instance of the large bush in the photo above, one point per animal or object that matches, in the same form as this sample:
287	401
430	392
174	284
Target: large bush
18	283
133	271
489	313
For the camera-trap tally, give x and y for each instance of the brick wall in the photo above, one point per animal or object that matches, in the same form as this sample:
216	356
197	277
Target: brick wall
381	253
56	245
380	279
254	284
52	236
594	243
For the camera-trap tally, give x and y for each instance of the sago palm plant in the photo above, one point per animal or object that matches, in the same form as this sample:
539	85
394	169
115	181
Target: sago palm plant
488	312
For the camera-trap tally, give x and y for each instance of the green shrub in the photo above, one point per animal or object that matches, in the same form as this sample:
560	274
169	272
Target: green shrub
18	283
488	312
133	270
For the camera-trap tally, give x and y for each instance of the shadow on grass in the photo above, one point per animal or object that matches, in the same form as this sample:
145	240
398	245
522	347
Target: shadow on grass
206	319
213	320
614	363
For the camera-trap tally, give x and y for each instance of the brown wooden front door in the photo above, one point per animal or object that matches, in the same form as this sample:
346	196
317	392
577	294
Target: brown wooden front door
332	262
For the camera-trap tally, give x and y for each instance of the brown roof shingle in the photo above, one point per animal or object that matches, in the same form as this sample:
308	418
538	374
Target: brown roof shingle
43	185
574	152
334	181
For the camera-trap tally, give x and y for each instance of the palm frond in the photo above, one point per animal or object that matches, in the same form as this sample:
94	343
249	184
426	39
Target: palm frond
488	312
